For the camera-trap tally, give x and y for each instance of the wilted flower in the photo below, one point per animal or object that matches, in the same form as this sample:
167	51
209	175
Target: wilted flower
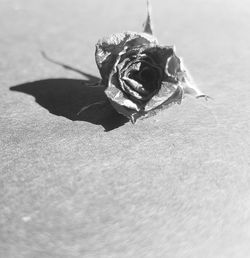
140	76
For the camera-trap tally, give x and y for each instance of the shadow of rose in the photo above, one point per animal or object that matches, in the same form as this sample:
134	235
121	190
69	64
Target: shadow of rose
66	97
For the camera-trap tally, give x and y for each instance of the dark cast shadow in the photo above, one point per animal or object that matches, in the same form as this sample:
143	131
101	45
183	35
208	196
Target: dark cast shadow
77	100
66	97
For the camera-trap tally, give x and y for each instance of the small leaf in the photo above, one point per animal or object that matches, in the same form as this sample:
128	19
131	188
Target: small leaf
148	27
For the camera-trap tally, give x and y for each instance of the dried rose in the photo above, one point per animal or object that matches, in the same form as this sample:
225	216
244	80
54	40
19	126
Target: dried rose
140	76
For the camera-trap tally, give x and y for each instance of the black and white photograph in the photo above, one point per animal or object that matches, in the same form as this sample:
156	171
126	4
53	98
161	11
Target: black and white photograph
124	129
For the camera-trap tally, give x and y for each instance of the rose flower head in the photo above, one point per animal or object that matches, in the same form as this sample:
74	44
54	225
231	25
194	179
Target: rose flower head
140	76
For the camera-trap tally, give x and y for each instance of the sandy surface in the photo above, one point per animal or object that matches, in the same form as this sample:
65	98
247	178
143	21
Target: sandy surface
174	185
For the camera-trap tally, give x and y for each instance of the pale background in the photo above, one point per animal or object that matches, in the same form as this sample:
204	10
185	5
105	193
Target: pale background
174	185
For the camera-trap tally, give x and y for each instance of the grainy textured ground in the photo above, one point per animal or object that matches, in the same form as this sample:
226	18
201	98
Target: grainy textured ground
174	185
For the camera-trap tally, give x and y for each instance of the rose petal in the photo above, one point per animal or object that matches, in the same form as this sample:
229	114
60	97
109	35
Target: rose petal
129	89
166	91
113	92
176	68
135	91
159	54
174	99
116	96
187	82
129	113
107	49
173	65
